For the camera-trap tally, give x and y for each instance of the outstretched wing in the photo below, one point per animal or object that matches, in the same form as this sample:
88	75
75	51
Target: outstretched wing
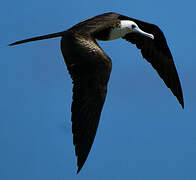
158	54
90	69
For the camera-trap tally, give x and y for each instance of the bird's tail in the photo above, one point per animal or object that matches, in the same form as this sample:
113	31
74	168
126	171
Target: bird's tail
38	38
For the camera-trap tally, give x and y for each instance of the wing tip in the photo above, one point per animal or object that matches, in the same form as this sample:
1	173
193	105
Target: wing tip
78	170
12	44
182	103
80	163
15	43
180	98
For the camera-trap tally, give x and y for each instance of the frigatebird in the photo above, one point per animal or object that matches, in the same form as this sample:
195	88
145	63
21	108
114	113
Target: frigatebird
90	67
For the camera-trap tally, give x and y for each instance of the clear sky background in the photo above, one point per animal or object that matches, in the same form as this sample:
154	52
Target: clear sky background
143	134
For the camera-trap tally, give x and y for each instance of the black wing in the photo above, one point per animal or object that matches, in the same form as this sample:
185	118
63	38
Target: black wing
90	69
158	54
96	24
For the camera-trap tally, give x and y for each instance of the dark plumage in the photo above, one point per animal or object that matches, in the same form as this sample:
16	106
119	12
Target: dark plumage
90	68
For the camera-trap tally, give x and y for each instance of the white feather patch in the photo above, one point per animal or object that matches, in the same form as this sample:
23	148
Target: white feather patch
121	30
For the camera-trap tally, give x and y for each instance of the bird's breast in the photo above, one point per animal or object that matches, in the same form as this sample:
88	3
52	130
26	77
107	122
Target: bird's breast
117	32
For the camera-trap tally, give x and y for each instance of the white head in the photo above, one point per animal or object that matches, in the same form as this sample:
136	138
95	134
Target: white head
127	26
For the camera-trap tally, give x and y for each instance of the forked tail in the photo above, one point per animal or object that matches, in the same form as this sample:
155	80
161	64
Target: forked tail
48	36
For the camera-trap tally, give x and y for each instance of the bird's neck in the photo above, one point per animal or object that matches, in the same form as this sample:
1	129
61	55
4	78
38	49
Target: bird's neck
119	31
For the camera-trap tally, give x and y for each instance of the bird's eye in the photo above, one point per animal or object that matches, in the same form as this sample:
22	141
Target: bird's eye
133	26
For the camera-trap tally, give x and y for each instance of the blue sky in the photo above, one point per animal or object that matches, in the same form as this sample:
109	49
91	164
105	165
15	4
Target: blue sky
143	133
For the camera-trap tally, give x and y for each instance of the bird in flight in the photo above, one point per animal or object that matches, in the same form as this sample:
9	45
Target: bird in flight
90	67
